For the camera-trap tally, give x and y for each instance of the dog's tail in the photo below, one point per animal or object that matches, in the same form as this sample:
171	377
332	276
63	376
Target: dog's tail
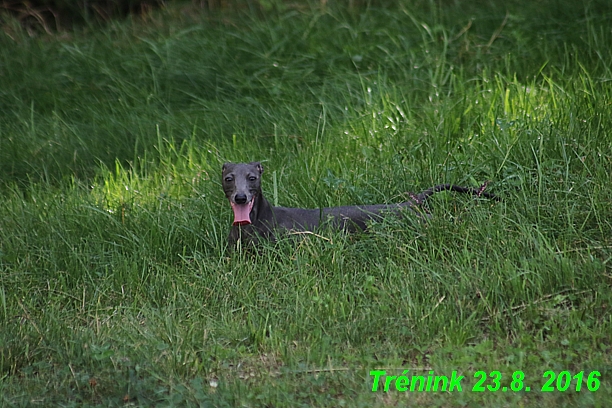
479	192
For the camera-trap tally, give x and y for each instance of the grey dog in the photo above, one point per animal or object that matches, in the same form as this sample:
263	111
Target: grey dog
254	217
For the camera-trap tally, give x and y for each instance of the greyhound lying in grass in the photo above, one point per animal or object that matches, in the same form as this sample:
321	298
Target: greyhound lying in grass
254	217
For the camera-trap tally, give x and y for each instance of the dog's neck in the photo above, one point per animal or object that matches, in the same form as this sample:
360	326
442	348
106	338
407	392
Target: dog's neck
261	208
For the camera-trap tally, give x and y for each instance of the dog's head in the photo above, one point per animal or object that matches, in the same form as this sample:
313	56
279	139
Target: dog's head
242	184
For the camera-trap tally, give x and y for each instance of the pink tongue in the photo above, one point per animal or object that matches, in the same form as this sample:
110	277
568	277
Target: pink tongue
242	213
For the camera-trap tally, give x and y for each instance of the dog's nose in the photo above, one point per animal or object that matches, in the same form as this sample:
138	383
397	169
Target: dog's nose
240	198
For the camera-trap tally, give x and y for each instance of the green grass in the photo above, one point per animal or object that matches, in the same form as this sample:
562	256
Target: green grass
116	287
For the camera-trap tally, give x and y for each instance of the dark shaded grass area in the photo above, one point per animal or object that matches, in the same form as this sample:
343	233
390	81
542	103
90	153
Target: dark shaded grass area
68	105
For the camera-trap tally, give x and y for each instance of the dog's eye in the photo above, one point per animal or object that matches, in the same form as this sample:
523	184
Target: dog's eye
252	178
229	178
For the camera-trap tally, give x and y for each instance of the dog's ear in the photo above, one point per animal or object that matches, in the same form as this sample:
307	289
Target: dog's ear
226	165
258	165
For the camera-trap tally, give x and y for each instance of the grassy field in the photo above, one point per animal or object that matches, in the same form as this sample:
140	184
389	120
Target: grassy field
116	286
